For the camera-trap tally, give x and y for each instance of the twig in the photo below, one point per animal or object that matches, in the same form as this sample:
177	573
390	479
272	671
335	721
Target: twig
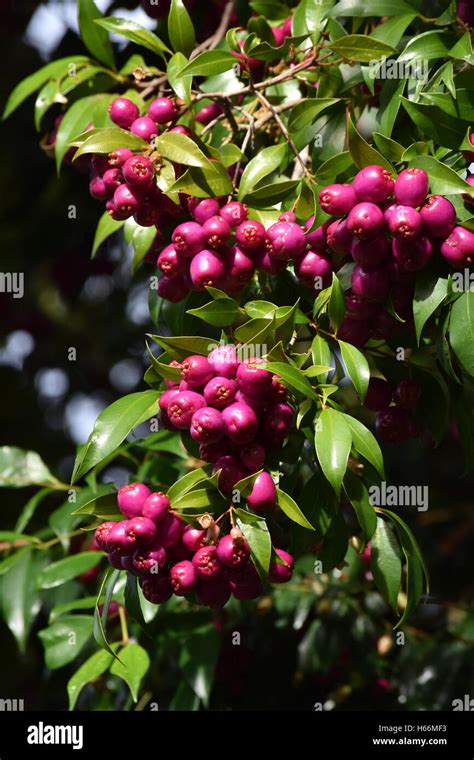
153	85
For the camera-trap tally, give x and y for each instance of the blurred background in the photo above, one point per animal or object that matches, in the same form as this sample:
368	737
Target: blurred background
337	649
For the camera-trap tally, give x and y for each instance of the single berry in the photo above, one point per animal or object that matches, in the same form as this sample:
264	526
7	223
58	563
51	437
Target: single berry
240	423
206	270
314	270
224	361
119	541
246	583
207	425
412	255
171	262
98	189
118	157
277	423
232	471
123	112
220	392
182	407
126	200
404	222
183	578
287	240
142	529
174	288
112	178
317	239
258	403
281	572
138	171
250	235
233	552
208	113
263	494
193	538
438	216
211	452
337	200
101	534
253	457
216	231
214	594
394	425
157	590
234	213
169	530
373	285
357	332
378	396
267	263
207	564
366	220
196	371
357	307
373	184
339	237
203	209
370	254
188	238
407	394
239	268
411	187
145	128
149	561
131	498
162	110
253	379
458	248
156	507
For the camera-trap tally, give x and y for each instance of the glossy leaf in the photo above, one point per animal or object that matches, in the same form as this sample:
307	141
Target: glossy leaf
105	228
265	162
64	639
20	468
134	32
180	28
358	47
386	563
181	149
333	444
292	510
366	444
68	568
132	668
209	63
430	292
293	378
461	333
362	153
95	39
358	495
256	533
90	670
357	367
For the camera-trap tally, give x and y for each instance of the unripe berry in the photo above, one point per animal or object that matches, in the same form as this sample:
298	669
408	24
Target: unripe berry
157	590
373	285
149	561
337	200
206	270
123	112
407	394
253	379
207	564
112	178
207	425
171	262
240	423
183	578
370	254
144	127
188	238
394	425
314	270
253	457
412	255
208	113
458	249
365	220
281	572
196	371
118	157
138	171
98	189
126	200
239	268
233	552
174	288
101	534
356	332
162	110
182	407
378	396
339	237
246	583
193	538
411	187
250	235
213	594
438	216
286	239
156	507
277	423
404	222
131	498
234	213
263	494
220	392
169	530
358	308
231	472
224	361
373	184
203	209
216	231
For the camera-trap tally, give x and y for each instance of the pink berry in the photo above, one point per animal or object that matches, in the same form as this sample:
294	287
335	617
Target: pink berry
458	249
373	285
207	564
119	541
373	184
411	187
188	238
196	370
171	262
365	220
174	288
138	171
412	255
216	231
101	534
220	392
234	213
281	572
123	112
144	127
405	222
339	237
182	407
253	456
240	423
314	270
156	507
233	552
317	239
287	240
208	113
169	530
337	200
250	235
277	423
149	561
183	578
267	263
370	254
207	270
193	538
207	425
98	189
253	379
263	493
231	471
157	590
126	200
118	157
142	529
203	209
131	498
438	216
112	178
162	110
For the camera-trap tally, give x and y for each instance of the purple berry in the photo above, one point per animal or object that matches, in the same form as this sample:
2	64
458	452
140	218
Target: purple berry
373	184
220	392
142	529
196	371
207	425
173	289
157	590
365	220
144	127
123	112
126	200
407	394
277	423
370	254
411	187
253	379
207	564
246	583
231	472
193	538
234	213
359	308
233	552
339	237
263	493
250	235
183	578
119	541
156	507
458	248
208	113
253	457
171	262
378	396
373	285
438	216
131	498
169	530
224	362
337	200
465	12
138	171
118	157
287	240
188	238
317	239
206	270
214	594
112	178
394	425
182	407
281	572
101	534
412	255
211	452
239	268
357	332
216	231
314	270
149	561
98	189
162	110
203	209
240	423
404	222
267	263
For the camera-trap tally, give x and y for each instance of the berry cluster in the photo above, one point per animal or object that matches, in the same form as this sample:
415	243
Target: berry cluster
222	248
236	411
393	423
170	556
391	229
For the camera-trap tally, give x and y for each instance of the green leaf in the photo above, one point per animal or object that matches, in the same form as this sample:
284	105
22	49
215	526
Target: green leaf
20	468
132	668
105	228
392	31
132	600
74	121
100	620
218	313
18	600
95	39
99	501
202	183
358	47
181	149
264	163
362	153
107	140
461	332
426	46
321	354
198	501
386	563
180	28
180	84
68	568
357	367
29	509
443	179
309	18
292	510
209	63
366	444
184	345
388	147
336	302
435	123
293	378
416	572
305	113
112	426
89	671
53	70
333	444
142	240
430	292
198	659
64	639
365	8
187	482
358	495
135	33
258	538
86	603
271	193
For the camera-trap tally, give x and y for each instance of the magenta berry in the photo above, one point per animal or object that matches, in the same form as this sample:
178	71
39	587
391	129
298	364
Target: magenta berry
112	179
246	583
138	171
339	237
337	200
373	184
407	394
412	255
317	239
149	561
378	396
174	288
233	552
98	189
263	493
211	452
100	164
196	370
287	240
168	531
204	209
119	541
126	200
183	578
220	392
267	263
253	379
208	113
257	403
253	456
206	270
123	112
171	262
281	572
234	213
101	534
394	425
118	157
207	564
372	285
214	593
224	361
232	471
193	538
157	590
207	425
458	248
365	220
131	498
156	507
216	231
162	110
239	268
370	254
144	127
142	529
357	332
438	216
277	423
404	222
465	12
314	270
357	307
411	187
188	238
250	235
240	422
182	407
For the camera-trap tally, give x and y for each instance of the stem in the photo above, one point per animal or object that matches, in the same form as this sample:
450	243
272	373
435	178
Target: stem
123	625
